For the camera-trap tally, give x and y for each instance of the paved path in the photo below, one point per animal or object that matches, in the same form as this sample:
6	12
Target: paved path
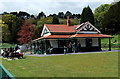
41	55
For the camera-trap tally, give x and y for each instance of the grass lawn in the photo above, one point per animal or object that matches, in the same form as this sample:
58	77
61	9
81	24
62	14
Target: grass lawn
80	65
114	45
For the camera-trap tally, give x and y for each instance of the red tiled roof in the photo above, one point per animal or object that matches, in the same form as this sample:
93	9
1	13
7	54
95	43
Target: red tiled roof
58	36
91	35
75	36
60	28
53	37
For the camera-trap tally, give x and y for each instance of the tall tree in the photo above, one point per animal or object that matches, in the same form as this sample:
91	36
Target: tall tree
26	32
41	15
14	24
23	15
111	21
37	33
14	13
60	15
4	31
87	15
76	16
99	14
55	20
68	14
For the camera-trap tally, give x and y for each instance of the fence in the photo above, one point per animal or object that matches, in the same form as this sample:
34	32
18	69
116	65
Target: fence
4	74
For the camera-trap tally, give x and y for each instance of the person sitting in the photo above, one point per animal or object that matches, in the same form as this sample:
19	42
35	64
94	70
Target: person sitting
10	53
20	53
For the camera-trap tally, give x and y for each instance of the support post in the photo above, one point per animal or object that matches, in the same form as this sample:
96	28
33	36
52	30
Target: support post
99	43
76	49
31	47
109	44
45	47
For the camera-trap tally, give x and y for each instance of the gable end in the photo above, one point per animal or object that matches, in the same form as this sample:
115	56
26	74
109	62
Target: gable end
87	28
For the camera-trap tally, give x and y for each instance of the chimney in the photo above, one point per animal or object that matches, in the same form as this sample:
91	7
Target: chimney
68	21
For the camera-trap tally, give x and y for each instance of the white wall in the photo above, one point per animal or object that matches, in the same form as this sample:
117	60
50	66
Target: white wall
82	42
54	43
95	42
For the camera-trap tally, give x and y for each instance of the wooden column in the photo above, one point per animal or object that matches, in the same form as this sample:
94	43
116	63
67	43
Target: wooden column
76	49
99	42
58	43
45	51
109	44
34	45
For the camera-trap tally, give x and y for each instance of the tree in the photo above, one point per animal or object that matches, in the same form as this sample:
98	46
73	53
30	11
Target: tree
23	15
41	15
26	32
13	24
55	20
99	14
60	15
14	13
37	33
87	15
111	21
4	31
76	16
68	14
4	13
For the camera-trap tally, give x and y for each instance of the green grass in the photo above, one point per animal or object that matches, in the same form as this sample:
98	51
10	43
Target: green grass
80	65
105	42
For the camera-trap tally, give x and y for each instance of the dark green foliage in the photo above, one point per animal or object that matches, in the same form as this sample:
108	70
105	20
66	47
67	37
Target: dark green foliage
99	14
55	20
60	15
37	33
76	16
87	15
111	21
68	14
23	15
14	13
41	15
13	24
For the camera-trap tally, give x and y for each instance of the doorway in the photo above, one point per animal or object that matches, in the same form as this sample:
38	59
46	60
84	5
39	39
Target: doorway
88	44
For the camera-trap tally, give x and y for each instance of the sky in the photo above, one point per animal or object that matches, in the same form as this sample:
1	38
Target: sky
49	6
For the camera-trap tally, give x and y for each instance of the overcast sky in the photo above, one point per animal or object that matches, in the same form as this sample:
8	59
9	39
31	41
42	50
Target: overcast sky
49	6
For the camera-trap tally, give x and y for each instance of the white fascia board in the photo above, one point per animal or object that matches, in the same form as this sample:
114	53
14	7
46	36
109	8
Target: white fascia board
44	30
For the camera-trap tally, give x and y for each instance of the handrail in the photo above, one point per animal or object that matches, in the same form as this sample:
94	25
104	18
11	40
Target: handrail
8	74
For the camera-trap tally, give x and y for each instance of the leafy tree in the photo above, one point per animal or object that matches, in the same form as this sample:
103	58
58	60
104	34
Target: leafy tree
68	14
4	13
99	14
26	32
23	15
32	16
55	20
14	13
60	15
33	20
14	24
37	33
87	15
41	15
4	31
111	21
76	16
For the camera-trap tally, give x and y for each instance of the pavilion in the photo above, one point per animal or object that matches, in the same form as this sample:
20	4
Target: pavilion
66	38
